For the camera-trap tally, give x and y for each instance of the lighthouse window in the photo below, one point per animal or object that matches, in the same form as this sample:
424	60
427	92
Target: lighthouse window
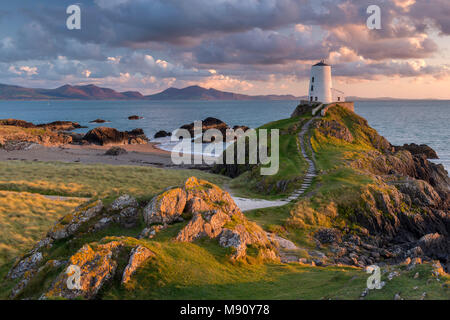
339	98
312	88
316	98
312	80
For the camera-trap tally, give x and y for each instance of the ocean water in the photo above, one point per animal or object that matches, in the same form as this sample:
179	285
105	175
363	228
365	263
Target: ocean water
400	122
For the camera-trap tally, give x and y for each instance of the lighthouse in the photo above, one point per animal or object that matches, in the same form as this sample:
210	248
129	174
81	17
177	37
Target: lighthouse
321	86
320	83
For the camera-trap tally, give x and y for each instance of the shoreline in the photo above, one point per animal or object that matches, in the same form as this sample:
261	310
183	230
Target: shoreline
137	155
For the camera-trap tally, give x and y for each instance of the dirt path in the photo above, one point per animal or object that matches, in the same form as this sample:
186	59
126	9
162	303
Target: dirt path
251	204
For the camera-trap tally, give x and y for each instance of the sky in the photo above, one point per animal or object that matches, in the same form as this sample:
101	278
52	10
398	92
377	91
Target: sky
244	46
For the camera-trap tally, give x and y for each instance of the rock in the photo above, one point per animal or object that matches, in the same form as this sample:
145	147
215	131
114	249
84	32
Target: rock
215	215
61	126
103	223
115	151
139	256
327	235
333	128
416	276
203	224
25	265
97	265
128	218
123	202
16	123
16	145
98	121
151	232
424	294
415	149
435	246
397	297
108	136
71	223
392	275
162	134
135	117
166	208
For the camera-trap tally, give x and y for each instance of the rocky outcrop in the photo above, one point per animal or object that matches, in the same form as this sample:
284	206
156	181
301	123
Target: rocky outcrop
166	208
162	134
111	136
134	117
53	126
61	126
333	128
96	265
17	123
213	123
139	256
98	121
215	215
415	149
70	224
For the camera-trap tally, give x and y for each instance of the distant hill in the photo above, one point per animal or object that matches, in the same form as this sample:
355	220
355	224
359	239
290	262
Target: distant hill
93	92
199	93
87	92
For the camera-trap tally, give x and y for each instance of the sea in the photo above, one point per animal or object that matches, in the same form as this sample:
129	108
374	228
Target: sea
400	121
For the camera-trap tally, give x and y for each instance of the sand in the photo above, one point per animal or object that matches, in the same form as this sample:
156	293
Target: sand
140	155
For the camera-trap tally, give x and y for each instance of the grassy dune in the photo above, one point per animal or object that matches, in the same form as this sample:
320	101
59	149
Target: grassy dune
25	214
25	218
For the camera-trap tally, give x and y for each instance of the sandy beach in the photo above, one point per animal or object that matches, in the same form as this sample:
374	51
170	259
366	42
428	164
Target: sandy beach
138	155
141	155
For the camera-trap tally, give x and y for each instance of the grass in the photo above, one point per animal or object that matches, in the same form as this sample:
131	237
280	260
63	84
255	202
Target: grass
292	166
91	180
24	220
26	215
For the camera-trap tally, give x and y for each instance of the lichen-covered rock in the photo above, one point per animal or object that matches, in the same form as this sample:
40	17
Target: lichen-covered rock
71	223
123	202
128	217
166	208
139	256
240	237
25	265
97	264
205	224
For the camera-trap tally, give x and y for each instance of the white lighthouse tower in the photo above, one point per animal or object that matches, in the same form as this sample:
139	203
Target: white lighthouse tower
320	87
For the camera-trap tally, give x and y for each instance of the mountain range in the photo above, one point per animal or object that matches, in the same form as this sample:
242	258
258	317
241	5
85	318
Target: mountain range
93	92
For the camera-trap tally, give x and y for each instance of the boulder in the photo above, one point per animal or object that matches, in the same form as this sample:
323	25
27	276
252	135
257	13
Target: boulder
139	256
166	208
111	136
115	151
123	202
134	117
17	123
97	265
25	265
71	223
162	134
422	149
98	121
61	125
